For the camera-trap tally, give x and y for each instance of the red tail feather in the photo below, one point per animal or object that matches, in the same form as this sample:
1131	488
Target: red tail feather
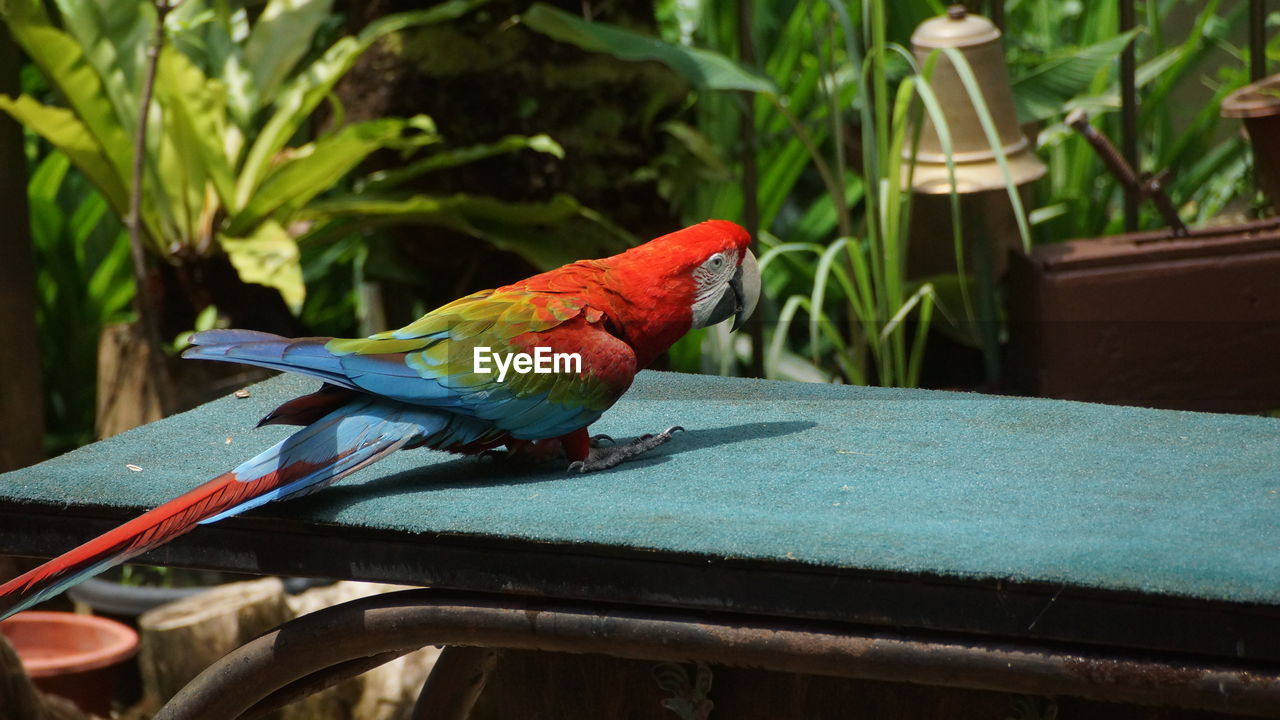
147	531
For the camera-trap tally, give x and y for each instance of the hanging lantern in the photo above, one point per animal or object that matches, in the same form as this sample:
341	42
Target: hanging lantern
990	226
977	168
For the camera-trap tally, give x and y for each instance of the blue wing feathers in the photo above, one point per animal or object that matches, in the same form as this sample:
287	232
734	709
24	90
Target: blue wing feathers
407	376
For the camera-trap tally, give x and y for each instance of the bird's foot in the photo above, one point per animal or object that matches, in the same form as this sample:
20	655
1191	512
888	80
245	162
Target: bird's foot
603	458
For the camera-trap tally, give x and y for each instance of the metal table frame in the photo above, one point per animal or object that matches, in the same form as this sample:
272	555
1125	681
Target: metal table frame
320	649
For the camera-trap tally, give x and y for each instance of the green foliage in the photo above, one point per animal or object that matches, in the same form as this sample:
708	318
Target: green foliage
83	284
1059	44
706	70
853	288
1063	74
216	174
547	234
233	165
224	170
838	92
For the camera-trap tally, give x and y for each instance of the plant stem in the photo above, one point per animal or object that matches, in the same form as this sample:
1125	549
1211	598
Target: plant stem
843	220
143	302
824	170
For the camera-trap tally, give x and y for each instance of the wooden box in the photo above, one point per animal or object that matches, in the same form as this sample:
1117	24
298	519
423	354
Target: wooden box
1142	319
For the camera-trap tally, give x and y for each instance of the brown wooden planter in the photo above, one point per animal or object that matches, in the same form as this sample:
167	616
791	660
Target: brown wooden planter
1258	105
1140	319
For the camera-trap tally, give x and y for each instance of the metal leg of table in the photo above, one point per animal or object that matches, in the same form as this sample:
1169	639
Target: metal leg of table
318	645
455	683
317	681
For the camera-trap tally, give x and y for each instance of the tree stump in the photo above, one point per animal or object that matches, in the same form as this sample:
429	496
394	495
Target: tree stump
182	638
129	393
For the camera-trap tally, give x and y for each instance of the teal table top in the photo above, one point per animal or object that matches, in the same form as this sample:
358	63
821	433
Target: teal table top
823	480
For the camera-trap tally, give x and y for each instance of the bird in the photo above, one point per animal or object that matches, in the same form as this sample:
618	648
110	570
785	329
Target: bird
528	366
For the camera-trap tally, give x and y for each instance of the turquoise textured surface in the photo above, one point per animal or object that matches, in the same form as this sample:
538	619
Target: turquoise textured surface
950	484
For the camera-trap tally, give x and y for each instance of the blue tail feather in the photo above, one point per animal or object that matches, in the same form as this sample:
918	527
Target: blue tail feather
337	445
306	356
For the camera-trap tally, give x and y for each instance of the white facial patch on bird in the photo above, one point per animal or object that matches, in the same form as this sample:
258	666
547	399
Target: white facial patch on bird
712	278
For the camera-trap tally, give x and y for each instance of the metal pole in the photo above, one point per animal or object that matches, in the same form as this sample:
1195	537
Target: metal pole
1145	186
1129	113
750	184
456	681
1257	40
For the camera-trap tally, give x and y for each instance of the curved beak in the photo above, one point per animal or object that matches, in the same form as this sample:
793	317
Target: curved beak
739	299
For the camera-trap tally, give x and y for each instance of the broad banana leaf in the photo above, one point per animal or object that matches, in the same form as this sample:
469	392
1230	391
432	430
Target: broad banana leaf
314	168
705	69
389	179
548	234
310	87
273	48
269	257
65	131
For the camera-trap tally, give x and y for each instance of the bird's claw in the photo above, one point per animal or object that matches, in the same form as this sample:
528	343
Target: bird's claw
597	439
601	458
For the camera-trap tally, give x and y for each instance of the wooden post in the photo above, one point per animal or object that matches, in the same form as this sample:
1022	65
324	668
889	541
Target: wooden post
1129	113
21	399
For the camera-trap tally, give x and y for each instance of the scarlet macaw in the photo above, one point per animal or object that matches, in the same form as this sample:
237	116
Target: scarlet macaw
418	386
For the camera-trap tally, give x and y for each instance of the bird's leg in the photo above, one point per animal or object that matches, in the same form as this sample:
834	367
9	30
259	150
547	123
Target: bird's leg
603	458
532	452
574	446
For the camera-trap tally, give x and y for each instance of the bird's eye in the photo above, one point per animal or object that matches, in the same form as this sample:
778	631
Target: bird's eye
717	261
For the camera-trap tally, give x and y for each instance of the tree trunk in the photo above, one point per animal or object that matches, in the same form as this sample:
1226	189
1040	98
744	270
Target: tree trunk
21	400
182	638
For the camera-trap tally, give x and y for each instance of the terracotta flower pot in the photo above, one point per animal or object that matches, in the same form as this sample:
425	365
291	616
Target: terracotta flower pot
74	656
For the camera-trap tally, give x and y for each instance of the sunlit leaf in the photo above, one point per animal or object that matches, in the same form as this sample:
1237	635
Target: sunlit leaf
279	39
114	36
313	168
197	107
65	131
547	234
444	159
59	57
269	257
